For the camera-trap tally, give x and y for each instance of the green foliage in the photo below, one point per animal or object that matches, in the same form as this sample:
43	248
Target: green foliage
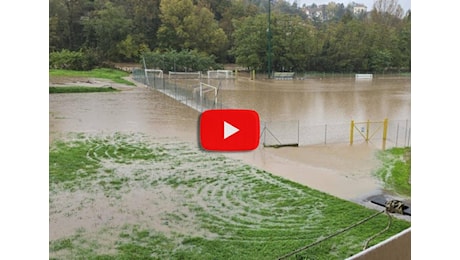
251	42
72	60
235	31
380	60
127	48
106	28
351	44
184	60
188	26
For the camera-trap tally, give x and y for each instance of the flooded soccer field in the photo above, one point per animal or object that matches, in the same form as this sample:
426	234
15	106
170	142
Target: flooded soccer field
321	101
295	106
156	191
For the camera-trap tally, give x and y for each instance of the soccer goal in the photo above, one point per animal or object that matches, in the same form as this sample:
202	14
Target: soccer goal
220	74
152	74
184	75
205	102
149	73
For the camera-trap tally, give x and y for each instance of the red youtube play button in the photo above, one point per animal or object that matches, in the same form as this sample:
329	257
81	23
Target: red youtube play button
229	130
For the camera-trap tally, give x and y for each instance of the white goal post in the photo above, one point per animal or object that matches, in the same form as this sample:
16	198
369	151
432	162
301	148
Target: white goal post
364	76
184	75
220	74
204	88
155	72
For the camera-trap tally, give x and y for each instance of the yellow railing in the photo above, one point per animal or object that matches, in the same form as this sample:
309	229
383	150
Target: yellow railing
368	135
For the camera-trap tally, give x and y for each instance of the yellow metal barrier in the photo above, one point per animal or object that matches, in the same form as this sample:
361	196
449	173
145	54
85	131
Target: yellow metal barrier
368	133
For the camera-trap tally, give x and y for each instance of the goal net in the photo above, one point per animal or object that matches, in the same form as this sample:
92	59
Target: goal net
220	74
153	73
184	75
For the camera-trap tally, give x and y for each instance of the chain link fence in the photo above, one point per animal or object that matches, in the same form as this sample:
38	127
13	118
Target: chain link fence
295	133
185	88
191	91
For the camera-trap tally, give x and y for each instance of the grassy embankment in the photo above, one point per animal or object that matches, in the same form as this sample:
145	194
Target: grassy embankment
395	170
110	74
79	89
183	203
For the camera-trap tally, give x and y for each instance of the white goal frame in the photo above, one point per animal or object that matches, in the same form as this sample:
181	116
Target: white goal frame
220	74
194	75
204	88
160	72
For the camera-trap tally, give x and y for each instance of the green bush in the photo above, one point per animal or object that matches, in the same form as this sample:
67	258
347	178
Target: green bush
185	60
74	60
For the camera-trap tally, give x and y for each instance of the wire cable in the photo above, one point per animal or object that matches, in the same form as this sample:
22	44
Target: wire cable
381	232
331	236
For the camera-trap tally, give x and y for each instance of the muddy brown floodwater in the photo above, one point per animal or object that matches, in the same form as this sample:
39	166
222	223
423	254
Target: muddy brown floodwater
338	169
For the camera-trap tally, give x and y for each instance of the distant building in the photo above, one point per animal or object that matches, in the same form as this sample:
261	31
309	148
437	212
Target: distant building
359	9
316	12
332	10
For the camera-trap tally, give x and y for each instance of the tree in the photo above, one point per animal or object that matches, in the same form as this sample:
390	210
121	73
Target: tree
184	60
346	46
387	12
145	16
217	7
293	42
58	25
238	10
186	26
250	41
106	28
381	60
66	29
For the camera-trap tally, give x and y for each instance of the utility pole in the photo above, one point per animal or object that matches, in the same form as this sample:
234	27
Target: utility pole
269	43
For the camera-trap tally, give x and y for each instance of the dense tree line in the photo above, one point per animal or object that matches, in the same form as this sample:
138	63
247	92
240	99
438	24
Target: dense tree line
228	31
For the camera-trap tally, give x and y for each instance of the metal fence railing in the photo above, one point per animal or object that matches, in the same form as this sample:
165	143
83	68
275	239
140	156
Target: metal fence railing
191	91
187	89
398	133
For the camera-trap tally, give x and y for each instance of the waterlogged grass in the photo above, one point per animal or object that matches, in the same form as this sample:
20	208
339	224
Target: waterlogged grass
75	163
80	89
189	204
395	170
103	73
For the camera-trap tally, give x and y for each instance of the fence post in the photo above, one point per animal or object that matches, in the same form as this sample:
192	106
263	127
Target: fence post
325	133
405	135
352	126
408	137
385	128
368	124
298	132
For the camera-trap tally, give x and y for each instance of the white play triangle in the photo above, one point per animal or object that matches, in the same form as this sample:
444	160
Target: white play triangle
229	130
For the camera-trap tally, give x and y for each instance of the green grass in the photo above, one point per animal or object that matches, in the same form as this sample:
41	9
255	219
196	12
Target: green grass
217	208
395	170
80	89
111	74
81	160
